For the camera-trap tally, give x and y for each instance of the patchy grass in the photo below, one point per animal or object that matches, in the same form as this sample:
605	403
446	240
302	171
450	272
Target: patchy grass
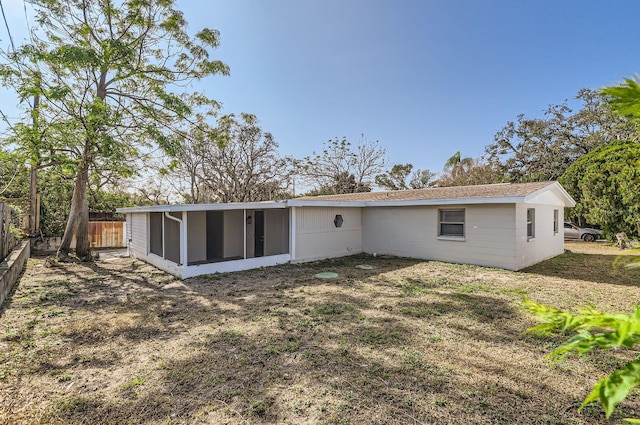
118	342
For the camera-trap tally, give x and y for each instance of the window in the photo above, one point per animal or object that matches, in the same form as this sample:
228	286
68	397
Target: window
555	222
338	220
451	223
531	223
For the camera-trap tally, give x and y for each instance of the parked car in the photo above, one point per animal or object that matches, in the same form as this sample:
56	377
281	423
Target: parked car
587	234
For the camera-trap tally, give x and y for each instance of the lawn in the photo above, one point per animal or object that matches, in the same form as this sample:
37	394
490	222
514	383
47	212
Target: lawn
408	342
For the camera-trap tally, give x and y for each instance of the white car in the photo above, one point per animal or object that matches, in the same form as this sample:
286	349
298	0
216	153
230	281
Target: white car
587	234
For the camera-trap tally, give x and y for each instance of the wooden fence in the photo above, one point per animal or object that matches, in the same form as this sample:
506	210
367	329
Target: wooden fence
8	217
106	234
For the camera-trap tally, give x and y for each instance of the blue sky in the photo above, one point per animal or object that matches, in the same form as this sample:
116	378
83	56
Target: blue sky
425	78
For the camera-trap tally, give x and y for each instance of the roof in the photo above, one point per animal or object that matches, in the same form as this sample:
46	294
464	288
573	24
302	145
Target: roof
503	193
486	193
454	192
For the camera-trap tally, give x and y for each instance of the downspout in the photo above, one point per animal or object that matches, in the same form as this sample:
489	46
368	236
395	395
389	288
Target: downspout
166	214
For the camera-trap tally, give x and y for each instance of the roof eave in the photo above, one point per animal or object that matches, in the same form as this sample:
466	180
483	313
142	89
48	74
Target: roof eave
446	201
310	203
204	207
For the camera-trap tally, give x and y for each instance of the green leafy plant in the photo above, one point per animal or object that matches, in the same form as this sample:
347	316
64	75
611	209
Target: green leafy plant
594	329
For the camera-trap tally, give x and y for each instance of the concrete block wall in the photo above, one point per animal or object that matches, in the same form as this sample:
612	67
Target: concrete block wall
11	268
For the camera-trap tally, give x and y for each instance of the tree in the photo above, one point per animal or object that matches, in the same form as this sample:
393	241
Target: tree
13	175
235	162
107	74
55	185
624	99
593	329
606	186
467	171
341	169
541	149
399	177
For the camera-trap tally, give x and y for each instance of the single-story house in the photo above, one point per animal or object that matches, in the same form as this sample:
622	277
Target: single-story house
509	226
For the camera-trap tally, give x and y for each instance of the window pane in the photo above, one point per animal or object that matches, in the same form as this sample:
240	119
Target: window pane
531	222
451	229
456	216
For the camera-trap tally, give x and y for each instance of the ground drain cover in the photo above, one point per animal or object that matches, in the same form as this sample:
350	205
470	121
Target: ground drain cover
364	267
327	275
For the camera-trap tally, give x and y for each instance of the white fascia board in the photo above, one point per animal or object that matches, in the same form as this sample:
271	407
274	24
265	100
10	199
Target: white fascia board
307	203
205	207
407	202
451	201
568	201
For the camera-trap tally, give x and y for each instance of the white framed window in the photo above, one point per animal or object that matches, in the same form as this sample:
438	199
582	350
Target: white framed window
556	223
531	223
451	223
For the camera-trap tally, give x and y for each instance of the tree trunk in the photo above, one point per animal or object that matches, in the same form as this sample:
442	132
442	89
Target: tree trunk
78	218
33	201
33	181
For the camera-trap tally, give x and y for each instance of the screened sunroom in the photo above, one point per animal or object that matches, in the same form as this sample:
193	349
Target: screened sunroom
190	240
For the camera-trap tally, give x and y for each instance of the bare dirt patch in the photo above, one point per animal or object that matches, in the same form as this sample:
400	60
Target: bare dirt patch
408	341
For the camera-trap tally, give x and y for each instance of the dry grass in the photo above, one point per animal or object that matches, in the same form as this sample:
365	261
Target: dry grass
119	342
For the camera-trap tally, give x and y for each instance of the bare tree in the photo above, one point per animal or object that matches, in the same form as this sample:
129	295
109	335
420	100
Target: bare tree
240	163
342	169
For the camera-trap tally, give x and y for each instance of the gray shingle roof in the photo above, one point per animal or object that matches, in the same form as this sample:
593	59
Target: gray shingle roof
502	190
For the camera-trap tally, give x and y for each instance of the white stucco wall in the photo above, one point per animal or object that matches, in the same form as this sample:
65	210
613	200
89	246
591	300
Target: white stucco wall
546	243
317	237
413	232
139	238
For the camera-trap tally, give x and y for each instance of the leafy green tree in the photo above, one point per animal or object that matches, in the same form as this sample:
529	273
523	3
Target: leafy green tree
110	74
13	175
624	99
343	183
606	186
459	171
400	177
538	149
592	330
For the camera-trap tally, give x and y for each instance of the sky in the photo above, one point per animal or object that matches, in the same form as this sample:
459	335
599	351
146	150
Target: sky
424	78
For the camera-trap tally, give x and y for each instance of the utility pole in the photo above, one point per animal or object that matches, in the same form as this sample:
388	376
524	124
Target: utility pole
34	217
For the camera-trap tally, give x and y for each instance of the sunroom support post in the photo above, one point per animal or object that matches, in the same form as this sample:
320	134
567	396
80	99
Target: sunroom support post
292	233
183	235
184	241
244	233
